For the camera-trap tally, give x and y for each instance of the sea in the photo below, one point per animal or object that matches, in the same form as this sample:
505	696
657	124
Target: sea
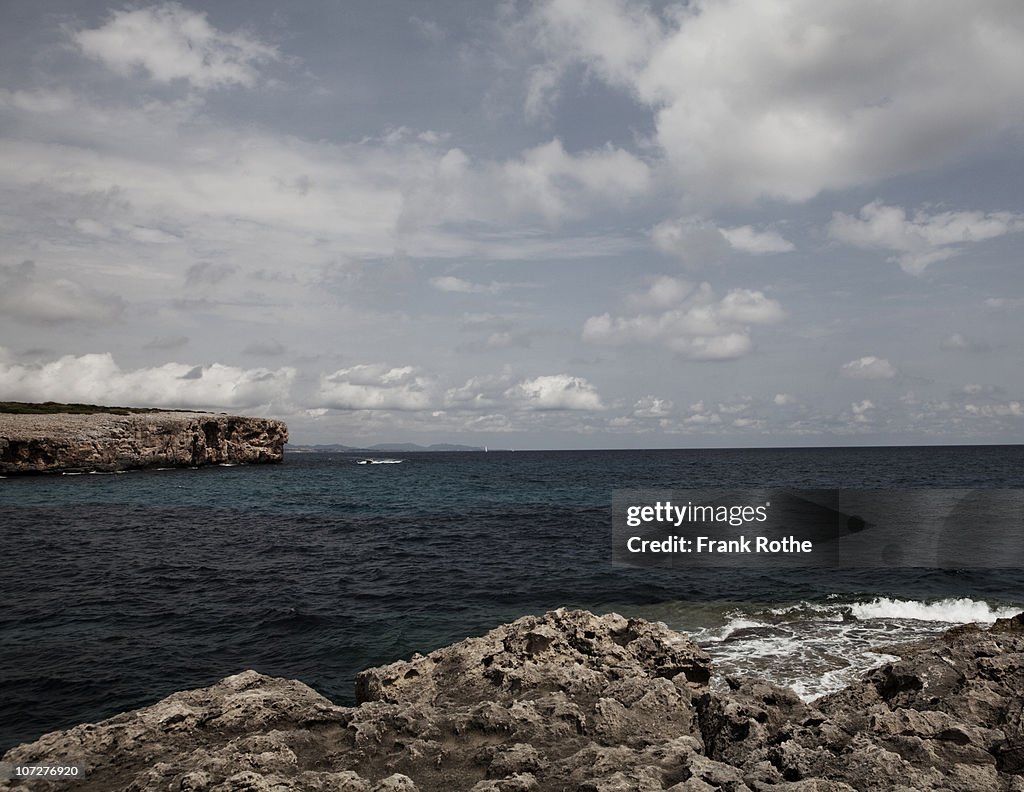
120	589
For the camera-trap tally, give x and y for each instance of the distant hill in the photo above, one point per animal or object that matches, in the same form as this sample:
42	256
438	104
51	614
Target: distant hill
414	447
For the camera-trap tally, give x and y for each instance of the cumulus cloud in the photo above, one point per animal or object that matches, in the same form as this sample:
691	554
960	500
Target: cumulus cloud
664	292
549	180
380	387
751	240
449	283
1013	409
229	189
701	416
170	42
377	387
924	238
27	296
690	238
485	391
695	238
689	320
555	392
98	379
861	410
652	407
840	94
869	367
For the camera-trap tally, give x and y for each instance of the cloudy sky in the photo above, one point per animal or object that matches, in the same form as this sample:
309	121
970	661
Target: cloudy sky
563	224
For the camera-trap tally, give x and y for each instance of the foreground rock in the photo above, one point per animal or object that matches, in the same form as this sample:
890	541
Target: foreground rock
107	442
573	701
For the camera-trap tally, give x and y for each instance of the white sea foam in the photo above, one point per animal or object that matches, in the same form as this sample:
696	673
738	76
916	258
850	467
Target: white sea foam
821	610
950	611
741	623
817	647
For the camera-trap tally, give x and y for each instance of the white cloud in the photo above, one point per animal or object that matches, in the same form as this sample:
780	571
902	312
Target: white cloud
170	42
869	367
97	379
165	173
665	292
924	238
651	407
377	387
480	392
836	94
555	392
549	180
744	306
782	399
861	410
1012	409
750	240
26	296
690	238
702	418
733	409
449	283
699	239
544	182
689	321
542	91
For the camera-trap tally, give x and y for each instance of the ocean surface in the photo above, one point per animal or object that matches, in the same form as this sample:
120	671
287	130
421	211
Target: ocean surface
120	589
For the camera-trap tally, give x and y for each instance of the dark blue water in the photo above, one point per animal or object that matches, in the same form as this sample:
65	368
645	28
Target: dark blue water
120	589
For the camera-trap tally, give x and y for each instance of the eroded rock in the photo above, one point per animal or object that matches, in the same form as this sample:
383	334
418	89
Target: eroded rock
105	442
573	701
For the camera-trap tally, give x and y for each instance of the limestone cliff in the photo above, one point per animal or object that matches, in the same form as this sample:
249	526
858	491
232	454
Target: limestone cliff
573	701
105	442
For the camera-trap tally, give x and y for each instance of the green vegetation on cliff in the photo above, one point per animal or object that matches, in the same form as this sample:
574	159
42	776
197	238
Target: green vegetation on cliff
47	408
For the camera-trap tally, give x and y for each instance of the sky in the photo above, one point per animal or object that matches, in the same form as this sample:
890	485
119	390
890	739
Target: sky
560	224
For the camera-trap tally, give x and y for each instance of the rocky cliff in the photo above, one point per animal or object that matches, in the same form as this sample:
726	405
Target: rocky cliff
573	701
106	442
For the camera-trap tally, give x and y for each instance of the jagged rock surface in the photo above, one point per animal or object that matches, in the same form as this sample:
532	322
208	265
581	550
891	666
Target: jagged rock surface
107	442
573	701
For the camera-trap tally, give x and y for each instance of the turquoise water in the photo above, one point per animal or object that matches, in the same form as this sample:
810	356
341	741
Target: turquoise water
119	589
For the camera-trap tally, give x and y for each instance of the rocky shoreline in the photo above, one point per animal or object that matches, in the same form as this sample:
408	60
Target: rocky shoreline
574	701
107	442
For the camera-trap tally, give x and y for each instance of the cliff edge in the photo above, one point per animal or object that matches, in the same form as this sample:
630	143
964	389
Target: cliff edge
574	701
65	442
